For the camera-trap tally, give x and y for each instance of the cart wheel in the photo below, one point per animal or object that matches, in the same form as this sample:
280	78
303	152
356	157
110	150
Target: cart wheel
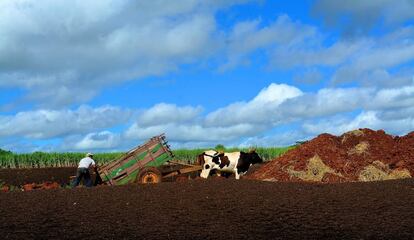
149	175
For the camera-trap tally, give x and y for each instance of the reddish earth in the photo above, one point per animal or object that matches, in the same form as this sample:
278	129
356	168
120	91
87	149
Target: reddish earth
44	185
347	157
213	209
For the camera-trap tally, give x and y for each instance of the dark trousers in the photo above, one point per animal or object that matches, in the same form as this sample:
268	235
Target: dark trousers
82	173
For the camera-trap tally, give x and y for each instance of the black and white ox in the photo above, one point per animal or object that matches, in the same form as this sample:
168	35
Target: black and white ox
233	162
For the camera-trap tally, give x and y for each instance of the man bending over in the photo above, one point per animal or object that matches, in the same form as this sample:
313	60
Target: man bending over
83	171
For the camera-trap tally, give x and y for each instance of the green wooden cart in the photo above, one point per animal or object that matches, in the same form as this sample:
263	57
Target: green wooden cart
148	163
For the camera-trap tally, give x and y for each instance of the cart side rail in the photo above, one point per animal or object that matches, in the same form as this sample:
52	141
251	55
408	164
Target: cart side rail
154	152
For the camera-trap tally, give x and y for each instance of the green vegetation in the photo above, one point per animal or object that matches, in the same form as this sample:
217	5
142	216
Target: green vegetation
267	154
42	159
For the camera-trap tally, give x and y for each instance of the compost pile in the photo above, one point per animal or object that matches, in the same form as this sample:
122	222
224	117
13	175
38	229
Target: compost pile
359	155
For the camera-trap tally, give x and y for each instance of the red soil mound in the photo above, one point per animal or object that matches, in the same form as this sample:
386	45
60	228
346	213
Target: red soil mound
362	155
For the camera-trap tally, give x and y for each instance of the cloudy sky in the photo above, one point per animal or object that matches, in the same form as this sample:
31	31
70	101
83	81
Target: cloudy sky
105	75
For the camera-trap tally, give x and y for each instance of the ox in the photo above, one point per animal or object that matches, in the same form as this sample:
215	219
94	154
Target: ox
234	162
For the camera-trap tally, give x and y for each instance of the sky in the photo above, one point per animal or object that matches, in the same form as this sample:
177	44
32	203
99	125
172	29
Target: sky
106	75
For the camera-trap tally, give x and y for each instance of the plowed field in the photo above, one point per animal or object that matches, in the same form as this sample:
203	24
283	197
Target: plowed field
213	209
36	175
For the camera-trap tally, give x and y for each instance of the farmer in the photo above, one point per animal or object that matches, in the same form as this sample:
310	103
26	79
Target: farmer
83	171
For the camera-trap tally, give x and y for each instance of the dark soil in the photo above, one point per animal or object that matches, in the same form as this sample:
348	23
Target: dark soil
213	209
60	175
339	153
21	176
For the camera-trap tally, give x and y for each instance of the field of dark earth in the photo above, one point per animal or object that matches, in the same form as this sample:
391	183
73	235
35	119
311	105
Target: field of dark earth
355	186
216	208
21	176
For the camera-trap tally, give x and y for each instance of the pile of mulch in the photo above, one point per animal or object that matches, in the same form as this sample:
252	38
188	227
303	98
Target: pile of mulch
213	209
347	155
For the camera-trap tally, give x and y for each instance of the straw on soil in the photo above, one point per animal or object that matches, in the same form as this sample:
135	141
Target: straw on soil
378	171
315	170
356	133
360	148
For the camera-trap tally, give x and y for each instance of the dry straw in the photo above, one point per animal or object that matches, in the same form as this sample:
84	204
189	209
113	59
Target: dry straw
315	170
378	171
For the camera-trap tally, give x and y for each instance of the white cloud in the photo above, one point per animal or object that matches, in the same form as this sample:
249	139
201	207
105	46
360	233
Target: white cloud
370	61
366	119
256	111
287	138
63	53
393	98
193	132
358	17
163	113
311	76
81	47
371	65
238	124
42	124
183	124
314	53
325	102
99	140
274	106
249	36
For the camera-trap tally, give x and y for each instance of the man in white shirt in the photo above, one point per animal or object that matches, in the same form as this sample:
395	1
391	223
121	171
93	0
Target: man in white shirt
83	171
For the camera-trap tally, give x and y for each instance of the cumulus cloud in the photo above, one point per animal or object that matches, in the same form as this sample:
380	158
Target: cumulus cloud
193	132
311	76
183	124
81	47
314	53
369	61
249	36
42	124
325	102
257	111
392	98
274	106
286	138
366	119
371	66
163	113
94	141
358	17
238	124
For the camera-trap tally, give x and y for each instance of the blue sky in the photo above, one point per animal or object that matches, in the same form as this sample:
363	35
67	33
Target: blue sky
106	75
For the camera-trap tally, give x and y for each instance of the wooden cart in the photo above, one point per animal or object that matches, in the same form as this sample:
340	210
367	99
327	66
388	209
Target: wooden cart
151	162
